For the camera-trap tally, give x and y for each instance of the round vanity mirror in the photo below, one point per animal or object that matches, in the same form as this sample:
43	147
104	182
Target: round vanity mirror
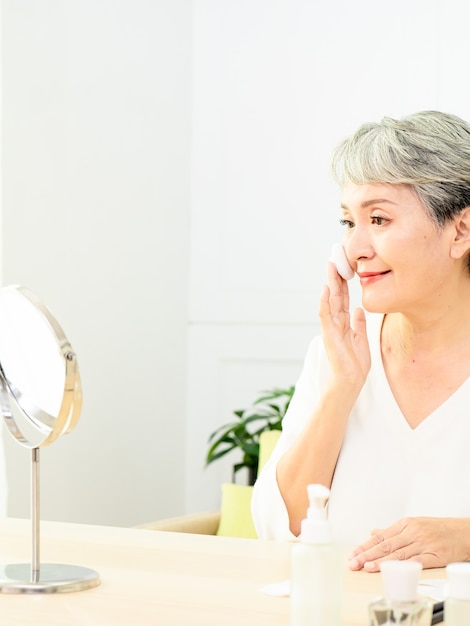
39	379
41	399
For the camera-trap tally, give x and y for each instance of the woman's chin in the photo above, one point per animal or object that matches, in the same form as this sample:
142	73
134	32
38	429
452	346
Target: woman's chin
374	307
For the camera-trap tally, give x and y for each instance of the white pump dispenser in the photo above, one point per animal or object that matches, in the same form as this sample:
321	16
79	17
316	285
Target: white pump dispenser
315	569
315	528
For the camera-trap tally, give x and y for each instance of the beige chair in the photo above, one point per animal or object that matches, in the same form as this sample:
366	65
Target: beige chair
205	523
234	517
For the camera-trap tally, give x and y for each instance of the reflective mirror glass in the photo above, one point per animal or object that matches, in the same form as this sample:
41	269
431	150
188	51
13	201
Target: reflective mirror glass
40	387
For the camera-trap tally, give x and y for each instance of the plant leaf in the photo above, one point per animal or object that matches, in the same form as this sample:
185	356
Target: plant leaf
244	432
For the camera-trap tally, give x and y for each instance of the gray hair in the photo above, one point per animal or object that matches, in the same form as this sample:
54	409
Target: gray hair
429	151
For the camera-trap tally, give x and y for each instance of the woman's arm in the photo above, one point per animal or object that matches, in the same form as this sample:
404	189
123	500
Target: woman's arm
313	456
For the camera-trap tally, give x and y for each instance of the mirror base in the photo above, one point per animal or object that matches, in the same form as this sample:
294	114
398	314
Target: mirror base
51	578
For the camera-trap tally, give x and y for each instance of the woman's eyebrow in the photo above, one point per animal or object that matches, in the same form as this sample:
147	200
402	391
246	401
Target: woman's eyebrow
368	203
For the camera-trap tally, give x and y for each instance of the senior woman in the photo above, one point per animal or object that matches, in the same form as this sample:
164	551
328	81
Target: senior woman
381	411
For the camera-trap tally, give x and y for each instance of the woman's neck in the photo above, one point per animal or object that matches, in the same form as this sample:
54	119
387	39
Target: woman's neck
432	332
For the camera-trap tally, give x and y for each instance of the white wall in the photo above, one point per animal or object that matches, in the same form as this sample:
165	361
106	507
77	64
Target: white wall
95	150
277	84
106	106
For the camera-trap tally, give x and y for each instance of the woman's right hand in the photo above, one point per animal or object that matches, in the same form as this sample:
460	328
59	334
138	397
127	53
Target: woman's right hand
313	454
344	335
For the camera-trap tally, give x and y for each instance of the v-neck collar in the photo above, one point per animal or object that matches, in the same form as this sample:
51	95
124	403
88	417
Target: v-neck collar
379	378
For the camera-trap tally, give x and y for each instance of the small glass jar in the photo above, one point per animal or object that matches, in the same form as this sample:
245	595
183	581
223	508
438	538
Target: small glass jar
400	604
386	612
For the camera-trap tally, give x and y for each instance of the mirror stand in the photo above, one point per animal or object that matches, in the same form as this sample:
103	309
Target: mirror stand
46	578
40	400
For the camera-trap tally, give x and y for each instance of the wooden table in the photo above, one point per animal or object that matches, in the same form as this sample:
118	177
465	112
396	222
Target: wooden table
161	578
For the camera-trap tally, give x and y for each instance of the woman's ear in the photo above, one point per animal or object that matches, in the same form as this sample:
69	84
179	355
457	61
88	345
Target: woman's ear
461	241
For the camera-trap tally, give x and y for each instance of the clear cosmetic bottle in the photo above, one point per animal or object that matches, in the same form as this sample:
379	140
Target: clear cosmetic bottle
401	603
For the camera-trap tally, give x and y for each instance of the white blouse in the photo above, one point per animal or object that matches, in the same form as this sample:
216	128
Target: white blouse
386	470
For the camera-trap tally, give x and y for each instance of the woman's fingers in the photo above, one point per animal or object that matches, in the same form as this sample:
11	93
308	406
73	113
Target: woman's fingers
358	322
339	292
334	304
344	336
434	542
401	550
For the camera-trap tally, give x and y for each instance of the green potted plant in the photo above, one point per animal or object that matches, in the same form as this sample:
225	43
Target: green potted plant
243	433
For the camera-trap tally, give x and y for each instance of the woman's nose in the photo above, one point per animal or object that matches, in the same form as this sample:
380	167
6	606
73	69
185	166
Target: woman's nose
358	246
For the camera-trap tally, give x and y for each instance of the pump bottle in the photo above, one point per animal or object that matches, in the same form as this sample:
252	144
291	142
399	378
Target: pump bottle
316	576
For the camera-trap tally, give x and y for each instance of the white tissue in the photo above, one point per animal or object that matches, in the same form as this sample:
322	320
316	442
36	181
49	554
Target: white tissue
433	588
281	589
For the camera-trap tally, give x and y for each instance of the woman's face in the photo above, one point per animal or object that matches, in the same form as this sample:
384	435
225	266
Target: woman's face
402	258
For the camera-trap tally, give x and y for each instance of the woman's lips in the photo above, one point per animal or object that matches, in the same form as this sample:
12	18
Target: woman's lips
367	278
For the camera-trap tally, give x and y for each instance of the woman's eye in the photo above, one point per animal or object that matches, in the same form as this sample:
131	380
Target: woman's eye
346	223
377	220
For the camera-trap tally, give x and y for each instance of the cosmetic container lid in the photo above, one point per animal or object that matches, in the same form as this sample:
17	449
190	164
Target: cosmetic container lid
458	576
315	528
400	580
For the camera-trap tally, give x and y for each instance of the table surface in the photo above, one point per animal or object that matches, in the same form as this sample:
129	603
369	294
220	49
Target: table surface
173	579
